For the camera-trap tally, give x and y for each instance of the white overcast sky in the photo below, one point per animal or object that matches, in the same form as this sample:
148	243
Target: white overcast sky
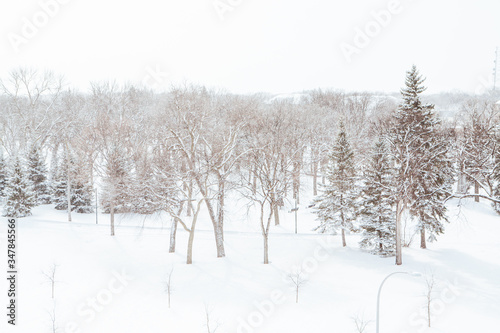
277	46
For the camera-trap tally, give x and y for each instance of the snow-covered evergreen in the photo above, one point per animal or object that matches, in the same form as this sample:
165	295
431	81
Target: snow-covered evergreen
336	206
60	184
37	172
425	170
81	192
20	197
118	182
377	201
82	198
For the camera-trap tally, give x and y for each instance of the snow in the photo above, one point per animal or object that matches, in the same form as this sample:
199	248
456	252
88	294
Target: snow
125	276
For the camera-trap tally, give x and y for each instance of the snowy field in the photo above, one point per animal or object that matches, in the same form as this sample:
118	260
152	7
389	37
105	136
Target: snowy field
117	284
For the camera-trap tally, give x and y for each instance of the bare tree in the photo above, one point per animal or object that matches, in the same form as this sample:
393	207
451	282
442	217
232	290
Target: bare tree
360	322
211	327
32	96
207	147
270	159
50	274
53	320
477	144
429	297
298	278
168	285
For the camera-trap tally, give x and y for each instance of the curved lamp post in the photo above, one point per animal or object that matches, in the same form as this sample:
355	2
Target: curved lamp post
416	274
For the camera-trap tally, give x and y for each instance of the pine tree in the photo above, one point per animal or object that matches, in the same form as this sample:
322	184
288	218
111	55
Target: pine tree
81	192
377	213
336	206
37	172
60	184
425	171
117	182
81	198
145	191
19	192
3	176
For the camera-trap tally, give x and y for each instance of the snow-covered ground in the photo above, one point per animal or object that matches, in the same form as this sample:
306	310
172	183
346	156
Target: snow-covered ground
117	284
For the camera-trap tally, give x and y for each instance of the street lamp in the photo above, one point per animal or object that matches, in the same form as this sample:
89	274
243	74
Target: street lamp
416	274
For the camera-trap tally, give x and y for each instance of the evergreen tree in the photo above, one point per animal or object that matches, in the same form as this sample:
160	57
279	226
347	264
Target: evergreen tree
81	198
19	192
147	190
336	206
118	184
81	192
377	213
37	172
425	171
3	176
60	183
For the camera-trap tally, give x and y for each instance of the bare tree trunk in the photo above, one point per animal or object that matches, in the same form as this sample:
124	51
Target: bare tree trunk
173	233
266	249
275	209
254	184
297	165
462	182
219	238
315	178
344	244
265	230
399	212
112	216
173	230
314	170
476	191
191	236
220	205
423	244
276	215
250	173
190	197
190	246
68	194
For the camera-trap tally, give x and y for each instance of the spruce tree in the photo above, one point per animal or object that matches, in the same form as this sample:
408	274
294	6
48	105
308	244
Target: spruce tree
336	206
81	192
146	190
425	171
377	214
118	182
19	192
60	184
37	172
81	197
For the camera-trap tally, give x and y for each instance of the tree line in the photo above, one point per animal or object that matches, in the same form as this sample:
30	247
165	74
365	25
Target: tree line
370	158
